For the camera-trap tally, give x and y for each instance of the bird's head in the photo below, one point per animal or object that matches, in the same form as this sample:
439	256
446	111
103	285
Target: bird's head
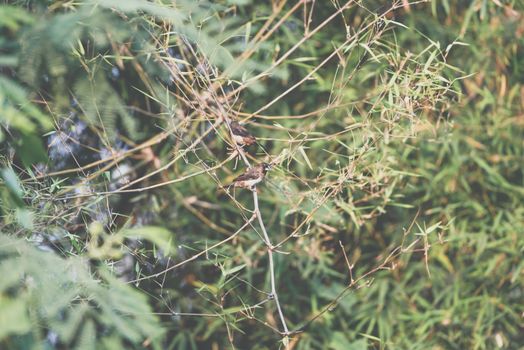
266	167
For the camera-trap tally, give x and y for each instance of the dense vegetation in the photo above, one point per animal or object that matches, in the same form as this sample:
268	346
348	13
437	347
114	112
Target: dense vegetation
392	217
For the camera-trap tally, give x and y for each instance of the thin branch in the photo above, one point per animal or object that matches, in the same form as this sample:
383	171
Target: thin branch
270	247
196	256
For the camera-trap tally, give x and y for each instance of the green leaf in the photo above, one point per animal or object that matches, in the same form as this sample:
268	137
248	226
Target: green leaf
12	17
163	12
31	150
13	317
160	236
25	218
11	181
233	270
62	296
15	96
339	341
304	155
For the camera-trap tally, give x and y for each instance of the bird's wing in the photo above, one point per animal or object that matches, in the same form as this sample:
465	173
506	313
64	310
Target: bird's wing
239	130
250	174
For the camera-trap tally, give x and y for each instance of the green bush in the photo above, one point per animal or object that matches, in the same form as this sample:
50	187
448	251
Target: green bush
392	216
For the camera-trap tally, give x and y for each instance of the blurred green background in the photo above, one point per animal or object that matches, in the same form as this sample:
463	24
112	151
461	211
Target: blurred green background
399	165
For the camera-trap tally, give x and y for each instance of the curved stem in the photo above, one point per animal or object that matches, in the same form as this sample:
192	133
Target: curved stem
271	262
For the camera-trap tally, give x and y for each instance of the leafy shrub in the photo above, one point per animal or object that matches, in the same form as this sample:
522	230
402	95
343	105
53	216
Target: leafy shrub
390	219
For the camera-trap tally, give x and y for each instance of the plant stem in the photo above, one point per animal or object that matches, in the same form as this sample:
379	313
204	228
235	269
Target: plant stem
271	262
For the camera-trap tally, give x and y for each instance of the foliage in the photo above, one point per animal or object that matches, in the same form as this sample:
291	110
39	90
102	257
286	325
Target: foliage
393	213
71	307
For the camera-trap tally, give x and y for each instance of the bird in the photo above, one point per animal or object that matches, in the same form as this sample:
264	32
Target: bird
240	135
252	176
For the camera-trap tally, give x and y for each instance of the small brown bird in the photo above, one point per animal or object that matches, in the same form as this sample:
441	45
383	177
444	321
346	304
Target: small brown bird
252	176
240	135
